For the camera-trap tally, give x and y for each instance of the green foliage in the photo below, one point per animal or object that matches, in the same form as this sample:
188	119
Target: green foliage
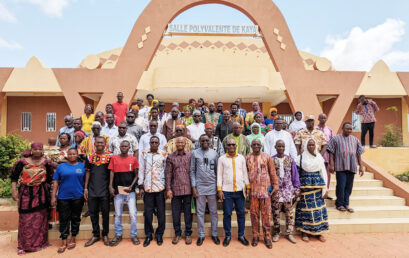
403	177
5	188
11	148
392	136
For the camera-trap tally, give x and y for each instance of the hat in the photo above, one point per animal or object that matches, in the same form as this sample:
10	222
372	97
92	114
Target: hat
161	103
309	117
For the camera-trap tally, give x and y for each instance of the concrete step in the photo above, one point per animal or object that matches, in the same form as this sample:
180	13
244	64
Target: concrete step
370	212
366	201
366	225
367	175
361	183
366	191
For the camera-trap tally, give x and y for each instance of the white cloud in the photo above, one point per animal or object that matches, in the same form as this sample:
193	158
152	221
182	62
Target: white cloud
360	50
52	8
6	15
10	45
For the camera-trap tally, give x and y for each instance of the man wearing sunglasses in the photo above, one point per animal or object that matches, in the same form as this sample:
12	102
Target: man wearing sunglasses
151	181
203	171
232	180
145	139
197	128
133	128
171	147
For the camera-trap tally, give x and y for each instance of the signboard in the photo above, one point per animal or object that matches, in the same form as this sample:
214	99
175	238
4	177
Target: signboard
212	29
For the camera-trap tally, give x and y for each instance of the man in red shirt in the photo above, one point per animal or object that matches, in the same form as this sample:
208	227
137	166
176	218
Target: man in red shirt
120	108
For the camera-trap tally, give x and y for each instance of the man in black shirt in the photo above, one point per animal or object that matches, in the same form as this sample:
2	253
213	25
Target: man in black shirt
96	190
224	128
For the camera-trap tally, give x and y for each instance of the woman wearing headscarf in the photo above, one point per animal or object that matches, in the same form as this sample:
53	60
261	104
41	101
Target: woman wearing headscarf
311	213
272	118
259	118
298	123
187	119
32	174
256	134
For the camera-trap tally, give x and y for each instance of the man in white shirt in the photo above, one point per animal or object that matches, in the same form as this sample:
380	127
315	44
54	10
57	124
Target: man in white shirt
232	178
197	128
277	134
110	129
144	142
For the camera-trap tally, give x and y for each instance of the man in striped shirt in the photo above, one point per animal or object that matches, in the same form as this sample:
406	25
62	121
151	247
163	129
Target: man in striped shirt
345	155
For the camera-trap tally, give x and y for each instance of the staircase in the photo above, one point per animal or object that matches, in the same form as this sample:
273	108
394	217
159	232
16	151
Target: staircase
376	210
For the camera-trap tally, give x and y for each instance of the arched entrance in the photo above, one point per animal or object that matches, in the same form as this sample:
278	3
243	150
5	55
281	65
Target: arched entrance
302	87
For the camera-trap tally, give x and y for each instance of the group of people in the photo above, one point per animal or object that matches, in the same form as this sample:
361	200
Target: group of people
197	158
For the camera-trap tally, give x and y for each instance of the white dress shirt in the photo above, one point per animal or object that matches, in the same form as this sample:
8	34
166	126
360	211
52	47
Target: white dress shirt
273	136
110	132
145	145
196	130
232	173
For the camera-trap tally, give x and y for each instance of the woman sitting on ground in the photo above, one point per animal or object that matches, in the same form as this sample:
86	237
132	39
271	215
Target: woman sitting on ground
311	213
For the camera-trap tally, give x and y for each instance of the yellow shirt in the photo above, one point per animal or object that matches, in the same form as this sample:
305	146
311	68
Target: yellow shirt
87	122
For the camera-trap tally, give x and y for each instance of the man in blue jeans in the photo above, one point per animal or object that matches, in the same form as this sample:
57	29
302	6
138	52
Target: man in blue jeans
123	175
232	180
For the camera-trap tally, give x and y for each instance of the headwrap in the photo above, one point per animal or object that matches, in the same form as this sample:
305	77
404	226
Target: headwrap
297	125
155	101
209	124
187	107
262	117
36	145
271	110
136	107
254	136
175	104
80	133
180	125
311	163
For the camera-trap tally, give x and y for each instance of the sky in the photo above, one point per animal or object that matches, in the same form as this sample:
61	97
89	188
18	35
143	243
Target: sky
354	35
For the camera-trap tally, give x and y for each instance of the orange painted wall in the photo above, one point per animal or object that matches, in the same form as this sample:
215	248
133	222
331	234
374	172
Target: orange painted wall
383	117
38	106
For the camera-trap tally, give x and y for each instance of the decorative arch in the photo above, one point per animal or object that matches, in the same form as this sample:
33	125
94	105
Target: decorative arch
302	86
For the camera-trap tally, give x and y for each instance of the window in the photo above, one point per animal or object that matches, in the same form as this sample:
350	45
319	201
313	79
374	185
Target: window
356	122
26	121
51	122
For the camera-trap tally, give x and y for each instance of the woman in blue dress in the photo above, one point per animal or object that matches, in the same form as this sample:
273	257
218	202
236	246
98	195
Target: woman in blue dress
311	213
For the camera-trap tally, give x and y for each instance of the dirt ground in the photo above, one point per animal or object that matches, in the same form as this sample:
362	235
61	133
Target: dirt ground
337	245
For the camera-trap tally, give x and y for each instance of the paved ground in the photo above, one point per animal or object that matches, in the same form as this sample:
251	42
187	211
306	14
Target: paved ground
337	245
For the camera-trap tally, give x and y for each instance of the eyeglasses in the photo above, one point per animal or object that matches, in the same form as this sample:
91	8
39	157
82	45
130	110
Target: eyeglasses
178	130
197	116
122	127
231	144
130	116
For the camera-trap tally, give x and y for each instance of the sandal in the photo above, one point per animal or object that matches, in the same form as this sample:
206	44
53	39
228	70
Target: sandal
341	208
21	252
322	238
305	237
350	210
61	249
71	245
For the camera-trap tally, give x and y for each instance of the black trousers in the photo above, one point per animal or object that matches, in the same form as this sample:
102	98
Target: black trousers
95	204
179	203
151	202
365	127
70	216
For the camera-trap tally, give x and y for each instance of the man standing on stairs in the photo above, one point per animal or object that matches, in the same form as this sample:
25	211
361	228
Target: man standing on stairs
232	181
151	181
178	189
345	155
263	185
367	108
203	171
122	181
96	190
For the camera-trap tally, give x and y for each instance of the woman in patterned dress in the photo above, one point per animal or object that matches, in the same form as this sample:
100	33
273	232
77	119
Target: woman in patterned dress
311	213
32	174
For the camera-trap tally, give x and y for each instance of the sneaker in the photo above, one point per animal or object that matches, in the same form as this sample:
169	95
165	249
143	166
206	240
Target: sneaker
276	237
291	239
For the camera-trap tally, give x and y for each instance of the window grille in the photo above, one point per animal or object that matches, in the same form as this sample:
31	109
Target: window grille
356	122
26	121
51	122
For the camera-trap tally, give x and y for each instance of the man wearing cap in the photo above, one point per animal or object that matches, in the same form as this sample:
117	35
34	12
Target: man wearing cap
310	132
163	116
169	127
